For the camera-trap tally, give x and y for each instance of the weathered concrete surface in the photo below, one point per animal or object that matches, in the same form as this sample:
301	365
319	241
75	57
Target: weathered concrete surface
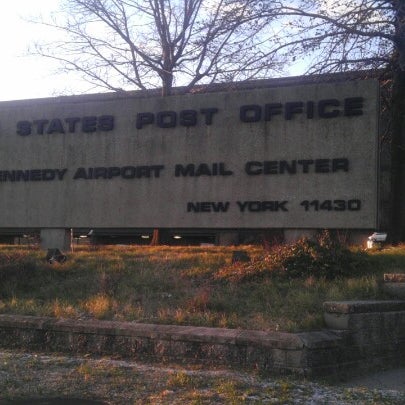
93	162
376	330
358	306
56	239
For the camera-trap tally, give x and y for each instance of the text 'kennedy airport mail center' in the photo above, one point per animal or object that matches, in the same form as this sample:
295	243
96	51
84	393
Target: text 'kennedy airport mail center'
291	156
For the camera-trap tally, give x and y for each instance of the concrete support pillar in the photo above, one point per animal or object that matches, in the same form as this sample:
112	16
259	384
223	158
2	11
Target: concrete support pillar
56	239
228	238
293	235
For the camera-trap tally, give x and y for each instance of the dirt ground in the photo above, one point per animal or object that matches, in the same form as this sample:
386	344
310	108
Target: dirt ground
34	376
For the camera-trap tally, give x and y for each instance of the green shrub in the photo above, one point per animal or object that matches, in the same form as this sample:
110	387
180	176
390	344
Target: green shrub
324	257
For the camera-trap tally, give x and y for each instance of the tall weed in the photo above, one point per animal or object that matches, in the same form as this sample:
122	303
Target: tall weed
325	257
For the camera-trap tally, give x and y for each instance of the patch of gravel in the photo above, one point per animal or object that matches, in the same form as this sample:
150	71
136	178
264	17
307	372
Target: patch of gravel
27	375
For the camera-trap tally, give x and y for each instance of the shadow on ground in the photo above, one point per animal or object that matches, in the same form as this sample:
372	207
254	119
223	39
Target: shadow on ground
382	380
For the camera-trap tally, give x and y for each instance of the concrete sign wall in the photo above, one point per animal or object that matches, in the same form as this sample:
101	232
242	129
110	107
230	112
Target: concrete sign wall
283	157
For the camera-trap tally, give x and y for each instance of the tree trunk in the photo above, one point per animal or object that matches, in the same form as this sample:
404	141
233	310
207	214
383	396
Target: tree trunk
155	237
167	85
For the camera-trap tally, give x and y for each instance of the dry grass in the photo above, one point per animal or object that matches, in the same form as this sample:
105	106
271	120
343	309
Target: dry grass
175	285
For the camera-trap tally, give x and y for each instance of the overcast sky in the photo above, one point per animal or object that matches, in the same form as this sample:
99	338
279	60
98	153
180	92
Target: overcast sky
21	76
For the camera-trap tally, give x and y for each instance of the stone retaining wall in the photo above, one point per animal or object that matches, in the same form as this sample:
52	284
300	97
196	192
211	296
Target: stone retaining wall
310	353
376	331
363	336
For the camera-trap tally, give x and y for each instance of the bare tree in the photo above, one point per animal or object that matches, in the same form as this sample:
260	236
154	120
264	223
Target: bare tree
340	35
141	44
347	35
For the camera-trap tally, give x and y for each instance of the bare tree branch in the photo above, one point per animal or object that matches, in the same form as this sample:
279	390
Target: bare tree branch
161	43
